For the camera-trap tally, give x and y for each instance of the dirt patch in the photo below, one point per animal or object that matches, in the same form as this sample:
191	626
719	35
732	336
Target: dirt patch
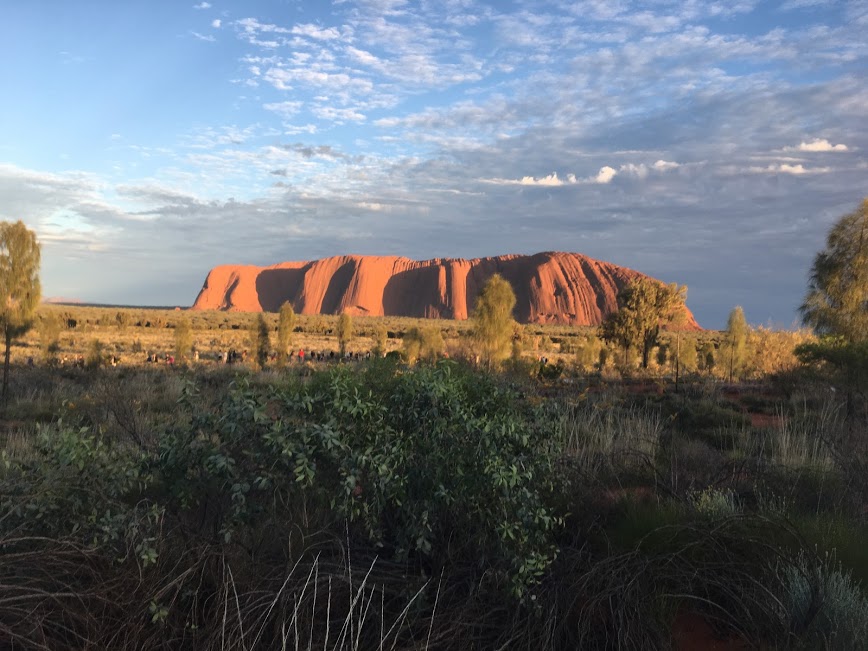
690	632
764	421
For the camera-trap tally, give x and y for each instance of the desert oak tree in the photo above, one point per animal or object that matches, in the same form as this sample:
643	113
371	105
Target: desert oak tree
344	331
20	290
285	328
735	342
183	340
644	306
493	325
262	341
836	306
837	298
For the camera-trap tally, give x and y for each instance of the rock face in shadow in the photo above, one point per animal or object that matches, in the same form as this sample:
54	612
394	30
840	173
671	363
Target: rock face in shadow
566	288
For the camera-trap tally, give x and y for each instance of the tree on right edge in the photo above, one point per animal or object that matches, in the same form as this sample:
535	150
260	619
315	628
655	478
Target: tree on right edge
836	306
837	299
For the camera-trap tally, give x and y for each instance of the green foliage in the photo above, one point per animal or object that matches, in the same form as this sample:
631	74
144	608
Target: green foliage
707	357
588	352
123	319
520	340
735	343
344	331
709	421
837	298
644	307
262	341
686	356
843	361
20	289
424	344
95	354
381	336
426	464
183	340
773	351
49	326
493	324
77	486
285	327
715	503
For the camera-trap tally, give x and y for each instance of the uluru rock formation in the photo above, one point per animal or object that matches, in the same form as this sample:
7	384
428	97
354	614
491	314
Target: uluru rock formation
550	287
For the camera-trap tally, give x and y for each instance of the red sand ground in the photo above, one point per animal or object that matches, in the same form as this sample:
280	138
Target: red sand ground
550	287
690	632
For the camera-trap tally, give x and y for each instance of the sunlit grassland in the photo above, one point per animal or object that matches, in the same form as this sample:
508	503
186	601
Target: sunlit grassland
131	333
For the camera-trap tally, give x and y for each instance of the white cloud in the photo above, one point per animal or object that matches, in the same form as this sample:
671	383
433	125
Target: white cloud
216	23
786	168
204	37
282	78
252	26
363	56
551	180
631	169
817	145
605	175
202	5
790	5
339	115
318	33
283	109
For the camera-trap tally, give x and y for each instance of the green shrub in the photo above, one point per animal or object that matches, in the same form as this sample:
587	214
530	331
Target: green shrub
715	503
95	354
425	464
75	481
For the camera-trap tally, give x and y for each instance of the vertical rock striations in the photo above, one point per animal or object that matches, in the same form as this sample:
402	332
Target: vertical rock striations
550	287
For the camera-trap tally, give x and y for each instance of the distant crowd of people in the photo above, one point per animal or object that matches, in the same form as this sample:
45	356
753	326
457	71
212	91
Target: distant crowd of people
233	356
75	361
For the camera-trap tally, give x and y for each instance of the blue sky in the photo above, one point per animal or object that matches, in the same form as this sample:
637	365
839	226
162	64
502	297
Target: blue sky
706	143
